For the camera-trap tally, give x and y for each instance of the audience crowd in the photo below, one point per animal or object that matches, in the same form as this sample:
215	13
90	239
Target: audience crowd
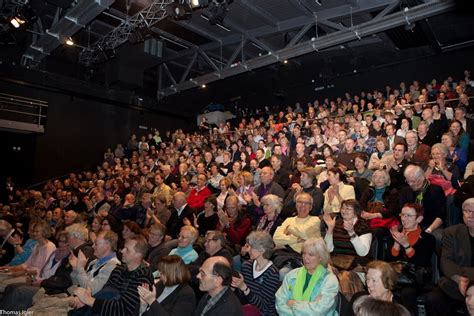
362	205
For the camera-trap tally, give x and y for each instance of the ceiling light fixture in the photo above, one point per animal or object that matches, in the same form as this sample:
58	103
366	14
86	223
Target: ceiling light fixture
179	10
69	41
24	16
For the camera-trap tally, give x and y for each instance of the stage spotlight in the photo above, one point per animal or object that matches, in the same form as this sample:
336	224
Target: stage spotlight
24	16
69	41
199	3
179	10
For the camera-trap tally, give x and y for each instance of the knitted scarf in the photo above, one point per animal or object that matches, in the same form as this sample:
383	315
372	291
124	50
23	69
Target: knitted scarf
298	293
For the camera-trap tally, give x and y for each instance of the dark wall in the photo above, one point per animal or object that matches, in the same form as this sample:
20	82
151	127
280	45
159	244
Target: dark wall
77	133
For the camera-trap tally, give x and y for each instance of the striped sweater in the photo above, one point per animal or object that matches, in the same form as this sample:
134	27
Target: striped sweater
263	288
124	284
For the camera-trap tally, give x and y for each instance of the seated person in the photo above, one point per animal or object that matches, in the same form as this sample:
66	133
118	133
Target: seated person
456	265
119	296
157	247
311	289
207	219
271	209
197	196
214	245
379	204
55	280
420	190
416	247
41	252
260	278
381	279
348	238
295	230
337	192
306	184
22	252
233	223
186	239
374	307
172	295
215	277
7	251
95	274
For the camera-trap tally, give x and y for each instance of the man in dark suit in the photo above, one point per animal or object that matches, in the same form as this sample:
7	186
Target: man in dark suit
181	211
393	139
215	277
457	265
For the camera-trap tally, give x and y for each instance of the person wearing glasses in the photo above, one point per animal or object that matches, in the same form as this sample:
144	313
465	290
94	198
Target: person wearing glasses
296	230
430	196
214	245
457	265
215	277
186	239
413	245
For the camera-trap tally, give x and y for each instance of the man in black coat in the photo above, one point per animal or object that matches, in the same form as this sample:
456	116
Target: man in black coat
215	277
419	190
456	265
180	212
308	177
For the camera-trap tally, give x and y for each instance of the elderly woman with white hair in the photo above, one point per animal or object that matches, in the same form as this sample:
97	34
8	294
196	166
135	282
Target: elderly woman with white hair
272	205
260	278
442	172
379	202
187	236
311	289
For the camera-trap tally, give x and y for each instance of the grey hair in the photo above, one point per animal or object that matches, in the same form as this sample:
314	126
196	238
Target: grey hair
317	246
194	232
263	241
274	201
412	132
297	195
78	230
444	150
5	225
414	170
468	202
382	172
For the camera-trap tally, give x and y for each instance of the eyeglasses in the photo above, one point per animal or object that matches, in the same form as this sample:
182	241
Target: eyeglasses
468	212
303	202
407	215
210	239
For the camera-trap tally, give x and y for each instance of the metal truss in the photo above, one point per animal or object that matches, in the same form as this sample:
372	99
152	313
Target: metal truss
9	7
383	21
147	17
63	27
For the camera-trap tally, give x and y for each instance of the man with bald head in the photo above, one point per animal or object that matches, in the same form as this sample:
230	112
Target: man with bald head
179	212
215	277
